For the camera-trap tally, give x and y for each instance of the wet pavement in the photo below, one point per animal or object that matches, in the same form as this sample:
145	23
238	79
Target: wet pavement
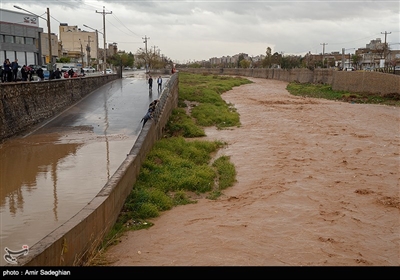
52	172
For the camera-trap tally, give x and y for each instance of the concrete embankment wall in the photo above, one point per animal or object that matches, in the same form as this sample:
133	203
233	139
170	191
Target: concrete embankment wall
353	81
24	104
73	243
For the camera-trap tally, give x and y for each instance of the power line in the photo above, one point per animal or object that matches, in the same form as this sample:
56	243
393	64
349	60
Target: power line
124	25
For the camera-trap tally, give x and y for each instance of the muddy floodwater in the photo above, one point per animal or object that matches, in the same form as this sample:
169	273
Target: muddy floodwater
49	174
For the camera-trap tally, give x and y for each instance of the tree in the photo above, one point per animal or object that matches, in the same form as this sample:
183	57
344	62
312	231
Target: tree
267	60
356	59
64	60
276	58
244	63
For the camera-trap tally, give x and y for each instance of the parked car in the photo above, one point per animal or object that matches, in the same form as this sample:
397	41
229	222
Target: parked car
89	69
75	75
46	74
109	71
127	68
66	68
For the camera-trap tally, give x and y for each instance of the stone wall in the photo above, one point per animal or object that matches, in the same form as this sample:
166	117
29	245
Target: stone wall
24	104
353	81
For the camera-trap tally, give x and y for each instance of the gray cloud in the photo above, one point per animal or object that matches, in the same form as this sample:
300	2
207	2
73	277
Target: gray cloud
202	29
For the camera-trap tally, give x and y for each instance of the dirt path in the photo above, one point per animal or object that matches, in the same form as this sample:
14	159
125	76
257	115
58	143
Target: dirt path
317	185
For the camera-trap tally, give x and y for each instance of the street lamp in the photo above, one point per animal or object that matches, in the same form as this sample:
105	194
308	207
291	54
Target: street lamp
49	35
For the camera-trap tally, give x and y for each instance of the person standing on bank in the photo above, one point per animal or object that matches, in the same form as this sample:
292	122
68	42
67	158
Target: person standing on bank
57	74
150	83
71	73
24	73
159	83
40	74
7	70
14	68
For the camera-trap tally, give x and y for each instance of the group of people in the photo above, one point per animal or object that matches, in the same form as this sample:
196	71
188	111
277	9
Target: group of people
40	73
9	71
159	83
150	112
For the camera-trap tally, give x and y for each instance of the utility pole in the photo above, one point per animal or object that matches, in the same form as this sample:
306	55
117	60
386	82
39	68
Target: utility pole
154	54
323	53
88	51
104	36
81	52
50	52
145	44
385	47
343	61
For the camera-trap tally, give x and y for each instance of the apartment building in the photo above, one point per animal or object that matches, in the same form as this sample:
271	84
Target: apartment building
376	54
79	45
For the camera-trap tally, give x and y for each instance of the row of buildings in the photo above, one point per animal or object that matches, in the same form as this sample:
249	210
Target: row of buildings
21	38
376	54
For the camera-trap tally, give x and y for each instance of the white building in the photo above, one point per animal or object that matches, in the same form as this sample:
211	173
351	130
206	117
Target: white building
20	37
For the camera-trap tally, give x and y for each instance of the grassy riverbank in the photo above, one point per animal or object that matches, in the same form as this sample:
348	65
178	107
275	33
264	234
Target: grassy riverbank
326	92
179	169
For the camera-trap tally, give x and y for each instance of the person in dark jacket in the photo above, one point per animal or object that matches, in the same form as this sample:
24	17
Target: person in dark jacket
7	70
14	69
57	74
71	73
150	83
24	73
40	73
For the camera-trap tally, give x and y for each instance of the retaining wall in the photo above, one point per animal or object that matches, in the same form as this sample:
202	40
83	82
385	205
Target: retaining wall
24	104
353	81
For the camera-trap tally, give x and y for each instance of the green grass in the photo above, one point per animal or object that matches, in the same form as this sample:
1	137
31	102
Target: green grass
181	124
203	92
325	91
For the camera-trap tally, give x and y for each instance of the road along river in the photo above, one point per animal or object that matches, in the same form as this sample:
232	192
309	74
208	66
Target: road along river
52	172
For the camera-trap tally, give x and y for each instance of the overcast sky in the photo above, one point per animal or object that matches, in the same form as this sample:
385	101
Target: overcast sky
198	30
